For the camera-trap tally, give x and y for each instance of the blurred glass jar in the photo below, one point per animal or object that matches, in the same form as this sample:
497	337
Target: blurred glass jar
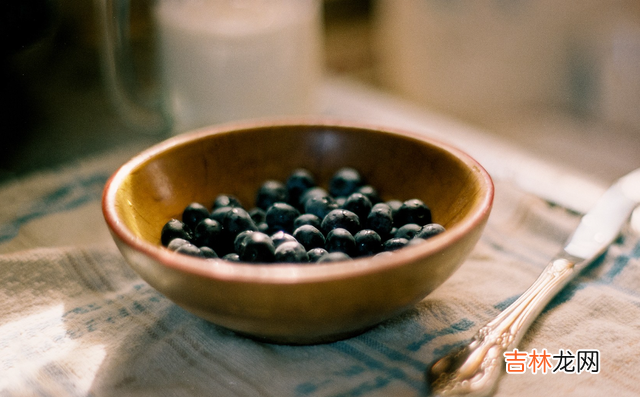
488	60
218	61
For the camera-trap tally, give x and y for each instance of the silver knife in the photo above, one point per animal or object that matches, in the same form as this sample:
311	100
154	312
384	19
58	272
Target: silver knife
474	369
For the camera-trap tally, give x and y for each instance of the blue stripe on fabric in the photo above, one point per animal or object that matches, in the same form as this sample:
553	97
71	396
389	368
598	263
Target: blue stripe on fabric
388	375
65	198
505	303
390	353
460	326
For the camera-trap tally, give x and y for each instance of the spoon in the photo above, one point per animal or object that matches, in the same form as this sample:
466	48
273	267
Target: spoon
474	369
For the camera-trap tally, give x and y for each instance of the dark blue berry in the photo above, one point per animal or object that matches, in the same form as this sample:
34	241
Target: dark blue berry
280	216
380	219
258	248
316	253
344	182
429	230
334	257
218	214
208	252
368	242
359	204
177	242
191	250
208	232
258	215
320	206
232	256
271	192
263	227
309	236
174	229
298	182
194	213
280	237
237	220
394	205
371	193
413	211
340	239
311	192
226	200
239	241
408	231
395	243
291	252
340	219
307	219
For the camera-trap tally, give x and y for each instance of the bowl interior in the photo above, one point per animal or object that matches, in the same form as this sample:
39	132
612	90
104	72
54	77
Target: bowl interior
199	166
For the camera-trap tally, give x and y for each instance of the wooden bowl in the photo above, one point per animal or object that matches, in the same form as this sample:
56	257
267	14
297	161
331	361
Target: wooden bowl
289	303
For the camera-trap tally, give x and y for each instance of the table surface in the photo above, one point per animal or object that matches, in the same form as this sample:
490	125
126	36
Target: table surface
76	320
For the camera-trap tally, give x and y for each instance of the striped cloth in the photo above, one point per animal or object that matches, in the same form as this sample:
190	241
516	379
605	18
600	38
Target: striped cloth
75	320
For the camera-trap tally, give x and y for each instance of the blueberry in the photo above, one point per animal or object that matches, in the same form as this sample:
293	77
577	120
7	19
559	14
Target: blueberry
291	251
307	219
380	219
344	182
316	253
174	229
258	215
394	205
309	236
408	231
232	256
311	192
237	220
177	242
368	242
191	250
413	211
334	257
371	193
340	219
263	227
258	248
218	214
395	243
281	237
359	204
340	201
208	252
226	200
280	216
340	239
271	192
429	230
208	232
194	213
240	241
320	206
298	182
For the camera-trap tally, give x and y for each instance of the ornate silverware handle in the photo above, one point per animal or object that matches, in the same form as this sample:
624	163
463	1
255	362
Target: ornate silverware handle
474	369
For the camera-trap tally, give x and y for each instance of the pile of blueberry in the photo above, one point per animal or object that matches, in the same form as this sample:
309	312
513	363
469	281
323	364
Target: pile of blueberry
301	222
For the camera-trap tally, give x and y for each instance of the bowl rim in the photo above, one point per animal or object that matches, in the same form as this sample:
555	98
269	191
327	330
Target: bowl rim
223	270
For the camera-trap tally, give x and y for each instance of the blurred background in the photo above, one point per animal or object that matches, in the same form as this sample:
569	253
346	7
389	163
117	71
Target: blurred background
543	75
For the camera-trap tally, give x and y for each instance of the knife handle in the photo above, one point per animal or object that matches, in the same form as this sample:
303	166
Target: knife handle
473	370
